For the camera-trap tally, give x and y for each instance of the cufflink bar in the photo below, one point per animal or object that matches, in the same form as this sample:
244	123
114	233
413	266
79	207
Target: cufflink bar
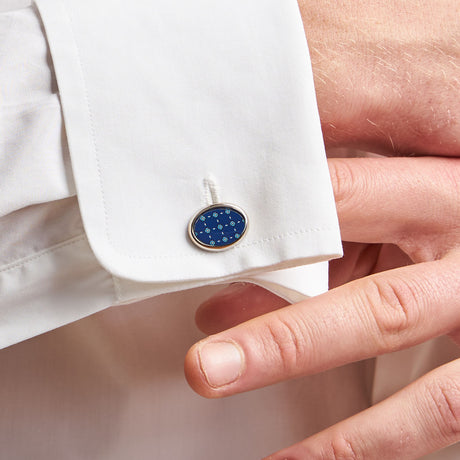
218	227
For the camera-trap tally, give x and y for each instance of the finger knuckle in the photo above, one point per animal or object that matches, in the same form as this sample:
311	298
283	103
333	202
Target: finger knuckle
444	395
342	179
342	448
394	310
287	340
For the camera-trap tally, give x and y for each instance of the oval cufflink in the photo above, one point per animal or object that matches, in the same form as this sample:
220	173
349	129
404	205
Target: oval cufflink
218	227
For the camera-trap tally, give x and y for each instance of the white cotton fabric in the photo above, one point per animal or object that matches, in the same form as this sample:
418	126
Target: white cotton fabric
172	95
50	274
35	165
111	387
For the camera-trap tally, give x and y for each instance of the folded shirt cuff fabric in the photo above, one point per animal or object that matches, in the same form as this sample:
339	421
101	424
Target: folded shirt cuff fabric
121	122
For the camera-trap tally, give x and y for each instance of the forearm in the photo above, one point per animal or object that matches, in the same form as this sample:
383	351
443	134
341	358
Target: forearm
387	73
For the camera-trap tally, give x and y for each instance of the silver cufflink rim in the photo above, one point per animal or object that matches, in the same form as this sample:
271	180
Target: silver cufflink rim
209	248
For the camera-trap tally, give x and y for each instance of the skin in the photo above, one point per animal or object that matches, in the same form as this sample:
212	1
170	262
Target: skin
387	81
387	73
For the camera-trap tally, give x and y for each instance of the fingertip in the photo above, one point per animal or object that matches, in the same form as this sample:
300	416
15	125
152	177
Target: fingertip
211	366
233	305
215	314
194	375
206	322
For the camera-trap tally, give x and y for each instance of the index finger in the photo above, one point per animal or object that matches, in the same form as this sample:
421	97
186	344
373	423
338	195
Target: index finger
365	318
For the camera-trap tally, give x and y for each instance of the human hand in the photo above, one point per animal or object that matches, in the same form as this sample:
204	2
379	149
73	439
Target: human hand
408	203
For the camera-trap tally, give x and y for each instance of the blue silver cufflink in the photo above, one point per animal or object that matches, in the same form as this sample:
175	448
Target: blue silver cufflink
218	227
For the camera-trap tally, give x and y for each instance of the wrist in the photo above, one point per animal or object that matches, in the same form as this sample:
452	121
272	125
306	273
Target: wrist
386	74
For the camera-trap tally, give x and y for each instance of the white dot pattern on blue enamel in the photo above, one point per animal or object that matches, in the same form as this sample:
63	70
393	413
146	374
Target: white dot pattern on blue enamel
218	227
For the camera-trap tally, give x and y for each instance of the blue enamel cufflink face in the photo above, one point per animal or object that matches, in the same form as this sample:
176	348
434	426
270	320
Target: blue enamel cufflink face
218	227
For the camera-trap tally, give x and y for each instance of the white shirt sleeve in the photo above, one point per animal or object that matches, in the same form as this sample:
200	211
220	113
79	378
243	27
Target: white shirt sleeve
168	107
